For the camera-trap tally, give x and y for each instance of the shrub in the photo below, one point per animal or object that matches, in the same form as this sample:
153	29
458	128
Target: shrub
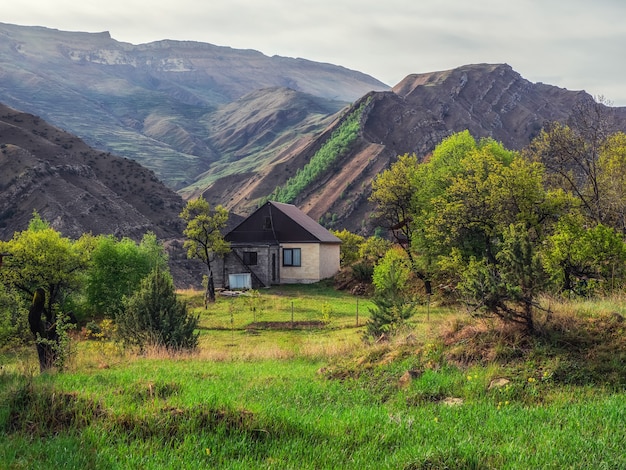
362	272
153	315
13	319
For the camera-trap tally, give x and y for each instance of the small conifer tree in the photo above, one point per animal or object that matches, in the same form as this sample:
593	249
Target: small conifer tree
154	315
392	306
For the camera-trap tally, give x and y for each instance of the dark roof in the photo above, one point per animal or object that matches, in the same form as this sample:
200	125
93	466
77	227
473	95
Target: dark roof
305	222
288	224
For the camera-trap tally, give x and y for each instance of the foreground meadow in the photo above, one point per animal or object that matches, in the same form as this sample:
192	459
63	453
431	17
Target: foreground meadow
284	380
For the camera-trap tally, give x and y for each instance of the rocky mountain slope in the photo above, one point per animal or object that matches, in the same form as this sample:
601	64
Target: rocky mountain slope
233	125
489	100
76	188
166	104
80	190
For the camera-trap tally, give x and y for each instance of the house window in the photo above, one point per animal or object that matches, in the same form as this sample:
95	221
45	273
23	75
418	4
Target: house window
249	258
267	223
291	257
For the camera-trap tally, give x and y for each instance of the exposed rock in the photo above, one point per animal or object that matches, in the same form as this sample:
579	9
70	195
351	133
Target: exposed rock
156	102
450	401
408	377
498	383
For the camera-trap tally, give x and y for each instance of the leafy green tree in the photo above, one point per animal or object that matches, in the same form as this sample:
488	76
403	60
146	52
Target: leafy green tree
204	236
393	193
404	196
350	245
47	268
572	155
373	249
13	319
117	268
154	315
42	258
492	221
611	177
577	256
508	287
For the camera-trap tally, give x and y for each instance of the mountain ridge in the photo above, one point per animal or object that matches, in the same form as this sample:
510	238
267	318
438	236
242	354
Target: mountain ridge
489	100
152	102
234	135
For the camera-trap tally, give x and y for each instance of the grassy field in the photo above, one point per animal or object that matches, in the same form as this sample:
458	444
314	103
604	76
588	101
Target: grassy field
270	389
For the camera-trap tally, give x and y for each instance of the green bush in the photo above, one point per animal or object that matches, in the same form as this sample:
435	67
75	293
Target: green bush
153	315
13	319
363	271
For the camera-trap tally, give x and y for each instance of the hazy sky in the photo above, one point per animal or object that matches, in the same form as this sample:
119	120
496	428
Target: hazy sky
574	44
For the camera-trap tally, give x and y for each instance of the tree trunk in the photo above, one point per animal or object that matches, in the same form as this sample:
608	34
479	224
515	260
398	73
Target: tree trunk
528	316
43	330
210	289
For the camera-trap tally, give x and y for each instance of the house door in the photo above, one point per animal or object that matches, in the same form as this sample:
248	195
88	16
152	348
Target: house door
274	267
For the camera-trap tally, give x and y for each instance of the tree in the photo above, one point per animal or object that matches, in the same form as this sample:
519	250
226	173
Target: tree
578	256
404	197
392	303
393	193
508	287
204	237
117	268
571	153
13	321
42	258
373	249
47	268
154	315
350	245
490	224
611	181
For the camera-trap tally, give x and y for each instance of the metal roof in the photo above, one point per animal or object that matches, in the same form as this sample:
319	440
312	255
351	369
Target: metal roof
305	222
288	224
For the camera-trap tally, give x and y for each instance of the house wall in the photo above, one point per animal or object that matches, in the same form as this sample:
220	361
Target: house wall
263	269
319	261
329	260
308	271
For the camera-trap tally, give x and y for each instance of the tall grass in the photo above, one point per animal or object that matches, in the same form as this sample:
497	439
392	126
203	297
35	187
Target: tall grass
302	399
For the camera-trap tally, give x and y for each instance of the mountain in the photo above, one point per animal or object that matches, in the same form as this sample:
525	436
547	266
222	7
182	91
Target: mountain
169	104
234	125
76	188
491	100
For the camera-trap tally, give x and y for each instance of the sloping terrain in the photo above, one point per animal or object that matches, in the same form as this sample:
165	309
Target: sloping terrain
252	131
76	188
155	102
234	125
81	190
489	100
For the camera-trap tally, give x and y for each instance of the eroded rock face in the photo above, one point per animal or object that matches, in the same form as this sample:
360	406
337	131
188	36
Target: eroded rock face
488	100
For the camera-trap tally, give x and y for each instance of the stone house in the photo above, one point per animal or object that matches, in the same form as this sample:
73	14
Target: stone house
278	244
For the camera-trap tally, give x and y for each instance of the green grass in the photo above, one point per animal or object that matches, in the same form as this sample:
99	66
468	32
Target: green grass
305	399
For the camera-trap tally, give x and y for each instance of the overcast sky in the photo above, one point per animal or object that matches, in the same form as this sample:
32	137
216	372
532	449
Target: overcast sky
574	44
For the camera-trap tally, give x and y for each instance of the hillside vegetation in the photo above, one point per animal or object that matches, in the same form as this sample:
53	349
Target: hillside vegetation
335	147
